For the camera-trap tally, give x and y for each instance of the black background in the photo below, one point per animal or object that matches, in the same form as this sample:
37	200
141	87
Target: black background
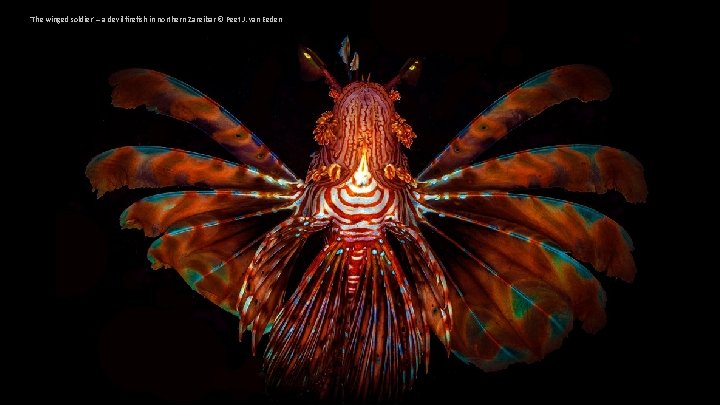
125	333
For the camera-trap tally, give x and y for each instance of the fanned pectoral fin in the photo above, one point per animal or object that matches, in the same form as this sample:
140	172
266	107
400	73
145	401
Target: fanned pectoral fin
155	166
156	214
589	168
585	233
211	255
507	248
582	82
503	312
169	96
497	323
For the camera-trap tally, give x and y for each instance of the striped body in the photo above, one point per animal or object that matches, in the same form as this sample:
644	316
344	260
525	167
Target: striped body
363	202
358	209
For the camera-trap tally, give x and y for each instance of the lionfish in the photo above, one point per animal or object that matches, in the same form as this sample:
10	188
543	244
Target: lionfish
502	282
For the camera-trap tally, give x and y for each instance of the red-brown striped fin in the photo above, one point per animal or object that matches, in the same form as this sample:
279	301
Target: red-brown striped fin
589	168
157	213
554	86
166	95
211	255
585	233
155	166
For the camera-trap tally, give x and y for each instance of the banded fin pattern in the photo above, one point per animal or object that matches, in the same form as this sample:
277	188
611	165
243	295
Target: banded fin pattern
156	166
529	99
583	232
157	213
169	96
211	255
588	168
501	315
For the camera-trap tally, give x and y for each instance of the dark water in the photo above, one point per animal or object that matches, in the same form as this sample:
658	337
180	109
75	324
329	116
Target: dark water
132	334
